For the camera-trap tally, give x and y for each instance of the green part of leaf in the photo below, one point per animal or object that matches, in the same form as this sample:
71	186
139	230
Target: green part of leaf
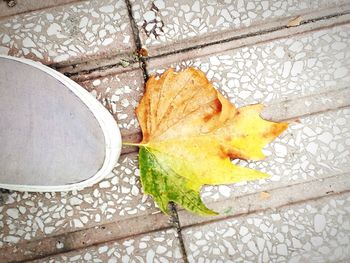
165	185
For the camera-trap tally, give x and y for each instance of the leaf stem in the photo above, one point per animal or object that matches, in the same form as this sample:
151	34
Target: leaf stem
132	144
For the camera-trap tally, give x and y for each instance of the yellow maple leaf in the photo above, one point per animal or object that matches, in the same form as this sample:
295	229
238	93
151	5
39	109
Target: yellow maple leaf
190	133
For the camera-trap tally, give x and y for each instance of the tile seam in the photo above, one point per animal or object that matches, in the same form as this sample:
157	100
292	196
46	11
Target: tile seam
137	39
177	226
174	216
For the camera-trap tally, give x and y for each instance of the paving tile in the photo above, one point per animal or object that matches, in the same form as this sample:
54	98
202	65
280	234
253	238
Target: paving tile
276	70
162	246
27	6
120	94
168	23
33	216
69	34
314	231
307	105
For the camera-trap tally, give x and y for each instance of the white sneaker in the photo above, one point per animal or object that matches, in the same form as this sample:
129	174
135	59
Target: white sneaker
54	136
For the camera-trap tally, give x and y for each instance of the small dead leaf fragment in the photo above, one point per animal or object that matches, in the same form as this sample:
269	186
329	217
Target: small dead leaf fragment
143	52
124	63
190	132
264	195
294	21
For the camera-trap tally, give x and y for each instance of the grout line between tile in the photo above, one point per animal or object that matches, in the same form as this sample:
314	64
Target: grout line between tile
120	63
136	35
177	225
174	215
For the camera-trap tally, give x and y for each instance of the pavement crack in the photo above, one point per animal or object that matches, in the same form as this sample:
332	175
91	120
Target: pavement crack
175	222
174	217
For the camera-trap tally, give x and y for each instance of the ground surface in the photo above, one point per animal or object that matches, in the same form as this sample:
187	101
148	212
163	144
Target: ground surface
293	56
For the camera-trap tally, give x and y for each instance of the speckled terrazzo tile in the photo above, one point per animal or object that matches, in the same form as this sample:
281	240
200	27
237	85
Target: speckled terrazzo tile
165	23
70	33
33	216
160	247
314	231
276	70
120	94
27	6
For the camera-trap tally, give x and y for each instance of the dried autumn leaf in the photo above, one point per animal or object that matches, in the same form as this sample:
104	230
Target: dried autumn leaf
264	195
190	132
294	21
